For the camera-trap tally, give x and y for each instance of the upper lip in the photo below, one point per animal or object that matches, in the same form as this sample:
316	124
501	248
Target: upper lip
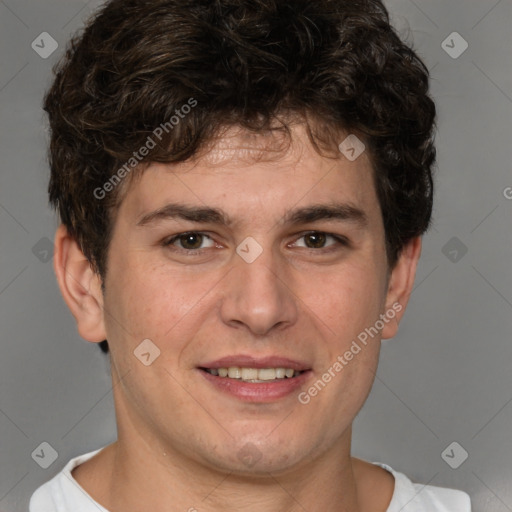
247	361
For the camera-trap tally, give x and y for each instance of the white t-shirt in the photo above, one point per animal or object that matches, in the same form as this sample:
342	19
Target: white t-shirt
63	494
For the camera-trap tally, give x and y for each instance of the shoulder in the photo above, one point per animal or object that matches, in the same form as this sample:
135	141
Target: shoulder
63	494
414	497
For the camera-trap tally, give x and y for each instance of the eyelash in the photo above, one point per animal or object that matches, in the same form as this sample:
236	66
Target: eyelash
341	241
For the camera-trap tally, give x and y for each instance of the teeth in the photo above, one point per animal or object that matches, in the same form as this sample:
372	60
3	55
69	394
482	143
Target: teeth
234	372
249	374
254	374
266	374
280	373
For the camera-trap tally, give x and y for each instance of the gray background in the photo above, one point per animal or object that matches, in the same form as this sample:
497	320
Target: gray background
446	376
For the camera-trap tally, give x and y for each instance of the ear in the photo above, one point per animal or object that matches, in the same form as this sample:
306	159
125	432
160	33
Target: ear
80	286
400	284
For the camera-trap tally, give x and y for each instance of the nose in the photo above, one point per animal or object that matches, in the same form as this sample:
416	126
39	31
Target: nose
259	296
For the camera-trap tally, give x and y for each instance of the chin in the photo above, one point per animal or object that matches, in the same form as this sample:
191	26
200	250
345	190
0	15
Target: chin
256	458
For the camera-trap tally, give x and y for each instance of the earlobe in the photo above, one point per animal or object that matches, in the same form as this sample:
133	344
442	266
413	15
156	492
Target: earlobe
400	285
80	286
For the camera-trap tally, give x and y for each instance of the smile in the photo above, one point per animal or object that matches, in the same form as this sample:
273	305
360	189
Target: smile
254	375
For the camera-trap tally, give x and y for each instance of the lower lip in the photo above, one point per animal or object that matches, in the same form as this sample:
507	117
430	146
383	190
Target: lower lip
257	391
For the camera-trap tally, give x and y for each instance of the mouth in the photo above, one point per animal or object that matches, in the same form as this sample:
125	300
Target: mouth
254	375
253	379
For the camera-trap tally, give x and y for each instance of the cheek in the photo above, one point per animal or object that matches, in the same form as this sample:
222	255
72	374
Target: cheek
150	301
348	301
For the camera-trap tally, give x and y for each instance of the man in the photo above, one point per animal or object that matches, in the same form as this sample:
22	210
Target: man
243	186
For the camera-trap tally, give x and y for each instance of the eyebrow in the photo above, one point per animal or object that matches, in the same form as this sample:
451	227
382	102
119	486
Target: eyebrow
342	212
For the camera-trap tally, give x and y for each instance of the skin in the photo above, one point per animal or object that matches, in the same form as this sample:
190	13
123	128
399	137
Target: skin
179	438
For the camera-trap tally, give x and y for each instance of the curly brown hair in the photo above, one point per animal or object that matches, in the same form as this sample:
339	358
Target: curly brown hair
336	63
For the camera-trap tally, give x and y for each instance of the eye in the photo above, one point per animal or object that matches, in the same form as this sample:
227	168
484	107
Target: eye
189	242
317	240
192	242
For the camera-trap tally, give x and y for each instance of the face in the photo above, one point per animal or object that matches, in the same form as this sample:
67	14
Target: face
260	278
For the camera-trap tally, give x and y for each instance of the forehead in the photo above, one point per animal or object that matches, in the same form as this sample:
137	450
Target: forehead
235	145
256	172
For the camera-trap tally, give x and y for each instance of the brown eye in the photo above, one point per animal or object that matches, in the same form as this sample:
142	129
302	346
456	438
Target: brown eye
321	240
191	241
316	240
